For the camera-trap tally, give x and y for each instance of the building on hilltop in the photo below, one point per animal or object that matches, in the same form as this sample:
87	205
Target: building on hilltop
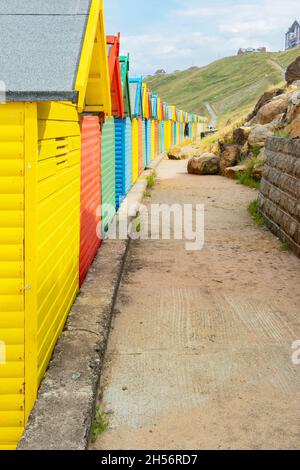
160	72
292	37
251	50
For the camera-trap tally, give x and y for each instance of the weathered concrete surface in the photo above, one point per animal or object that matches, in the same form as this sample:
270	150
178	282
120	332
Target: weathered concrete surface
213	115
62	416
200	350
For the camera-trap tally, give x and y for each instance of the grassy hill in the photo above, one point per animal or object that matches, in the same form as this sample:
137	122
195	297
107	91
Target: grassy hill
232	85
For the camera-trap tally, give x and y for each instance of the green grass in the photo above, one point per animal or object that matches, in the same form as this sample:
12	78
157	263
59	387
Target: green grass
224	135
255	150
253	211
282	133
247	180
285	247
260	221
150	181
231	85
100	424
138	226
147	194
285	58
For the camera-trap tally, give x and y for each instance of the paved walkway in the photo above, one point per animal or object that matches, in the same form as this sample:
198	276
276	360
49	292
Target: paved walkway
200	350
213	115
278	67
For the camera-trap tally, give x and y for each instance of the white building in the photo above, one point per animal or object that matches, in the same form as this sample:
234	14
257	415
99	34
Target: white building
292	37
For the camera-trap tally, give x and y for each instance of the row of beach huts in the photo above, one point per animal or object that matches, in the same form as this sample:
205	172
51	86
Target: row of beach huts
76	132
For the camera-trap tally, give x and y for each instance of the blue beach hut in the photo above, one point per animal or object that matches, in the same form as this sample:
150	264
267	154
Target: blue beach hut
123	139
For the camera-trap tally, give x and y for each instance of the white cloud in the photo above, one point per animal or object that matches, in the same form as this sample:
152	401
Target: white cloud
202	12
241	17
197	35
245	27
151	52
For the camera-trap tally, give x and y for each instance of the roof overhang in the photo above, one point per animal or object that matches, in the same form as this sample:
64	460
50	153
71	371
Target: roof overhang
159	111
137	110
124	67
115	76
154	105
172	113
146	102
93	83
40	96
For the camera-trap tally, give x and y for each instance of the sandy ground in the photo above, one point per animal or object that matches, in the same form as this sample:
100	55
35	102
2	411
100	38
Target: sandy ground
199	355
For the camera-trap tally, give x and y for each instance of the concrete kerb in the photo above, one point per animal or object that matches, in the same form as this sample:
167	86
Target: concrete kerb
63	413
136	194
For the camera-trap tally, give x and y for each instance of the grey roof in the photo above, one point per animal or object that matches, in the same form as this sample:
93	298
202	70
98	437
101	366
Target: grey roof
40	48
44	7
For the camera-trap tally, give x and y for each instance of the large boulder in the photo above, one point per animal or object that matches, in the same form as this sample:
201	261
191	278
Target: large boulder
241	134
292	114
259	134
294	128
264	99
295	98
229	156
294	107
206	164
174	153
272	110
234	171
293	72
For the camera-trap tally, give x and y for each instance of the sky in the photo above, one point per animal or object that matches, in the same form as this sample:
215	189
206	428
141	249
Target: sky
178	34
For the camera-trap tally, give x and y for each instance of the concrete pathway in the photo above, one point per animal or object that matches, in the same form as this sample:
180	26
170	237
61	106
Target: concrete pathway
199	355
213	115
279	68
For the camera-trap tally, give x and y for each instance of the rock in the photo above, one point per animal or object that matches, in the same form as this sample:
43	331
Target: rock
206	164
264	99
175	153
294	108
294	128
229	156
262	155
76	376
244	151
258	168
272	110
295	98
257	172
279	121
292	113
241	135
233	171
293	72
259	134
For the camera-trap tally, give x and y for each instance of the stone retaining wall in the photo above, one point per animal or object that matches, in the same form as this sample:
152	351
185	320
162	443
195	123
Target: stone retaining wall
279	198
